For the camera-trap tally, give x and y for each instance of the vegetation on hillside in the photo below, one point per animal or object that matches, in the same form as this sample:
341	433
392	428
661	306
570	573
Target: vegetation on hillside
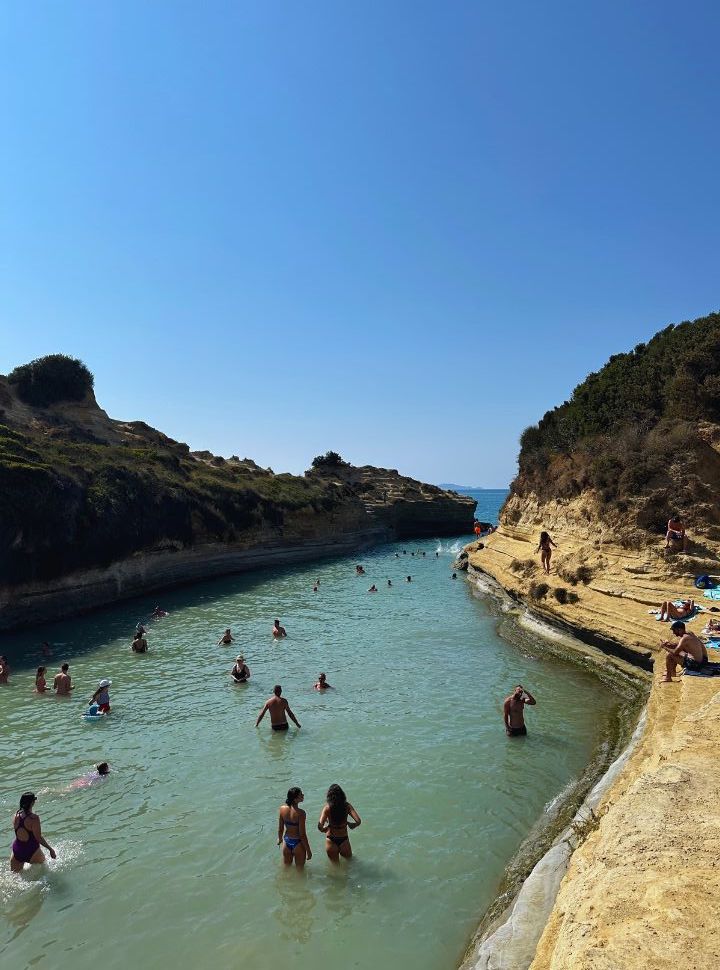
49	380
630	431
331	459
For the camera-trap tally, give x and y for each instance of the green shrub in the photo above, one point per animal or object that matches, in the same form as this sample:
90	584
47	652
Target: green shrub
560	594
331	459
572	597
50	379
583	574
538	591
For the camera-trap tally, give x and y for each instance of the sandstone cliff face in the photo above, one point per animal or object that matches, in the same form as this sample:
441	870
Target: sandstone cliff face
93	509
639	891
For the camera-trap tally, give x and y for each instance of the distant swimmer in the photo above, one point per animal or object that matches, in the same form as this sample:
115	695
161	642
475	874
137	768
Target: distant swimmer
278	631
291	830
545	548
404	552
226	639
101	771
335	821
397	555
322	684
373	589
101	697
454	575
139	644
45	649
437	555
4	670
62	684
423	554
278	708
41	686
412	553
513	711
359	571
28	836
158	613
389	582
240	672
140	628
409	579
315	589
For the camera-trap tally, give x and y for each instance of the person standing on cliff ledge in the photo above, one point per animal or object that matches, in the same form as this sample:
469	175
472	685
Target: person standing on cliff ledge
545	548
514	711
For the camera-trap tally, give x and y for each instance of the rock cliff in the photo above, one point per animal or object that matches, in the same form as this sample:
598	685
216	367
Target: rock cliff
93	509
601	474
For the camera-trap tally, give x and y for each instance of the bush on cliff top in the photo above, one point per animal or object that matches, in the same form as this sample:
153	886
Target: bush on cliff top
48	380
331	459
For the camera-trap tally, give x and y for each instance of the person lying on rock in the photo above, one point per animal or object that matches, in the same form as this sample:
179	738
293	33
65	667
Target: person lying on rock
675	535
688	652
669	611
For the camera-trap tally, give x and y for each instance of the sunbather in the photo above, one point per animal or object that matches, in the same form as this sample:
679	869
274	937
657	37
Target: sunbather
669	611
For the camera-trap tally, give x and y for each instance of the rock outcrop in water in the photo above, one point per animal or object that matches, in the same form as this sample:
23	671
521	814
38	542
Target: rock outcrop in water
601	474
93	509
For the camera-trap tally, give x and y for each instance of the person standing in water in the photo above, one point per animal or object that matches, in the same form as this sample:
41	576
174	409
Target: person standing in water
278	708
545	548
291	830
278	632
4	670
40	682
28	836
322	684
62	684
226	639
240	672
101	697
514	711
139	644
334	823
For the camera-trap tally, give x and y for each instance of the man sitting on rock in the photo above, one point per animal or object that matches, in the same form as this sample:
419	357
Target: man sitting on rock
675	538
689	652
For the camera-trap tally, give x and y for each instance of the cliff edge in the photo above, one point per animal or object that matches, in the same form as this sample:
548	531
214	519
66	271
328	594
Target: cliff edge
602	474
93	509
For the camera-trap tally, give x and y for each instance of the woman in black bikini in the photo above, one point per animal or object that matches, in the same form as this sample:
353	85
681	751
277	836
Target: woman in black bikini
545	548
240	672
334	823
28	836
291	830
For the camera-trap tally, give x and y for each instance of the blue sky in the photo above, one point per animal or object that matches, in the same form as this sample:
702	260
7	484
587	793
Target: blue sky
401	230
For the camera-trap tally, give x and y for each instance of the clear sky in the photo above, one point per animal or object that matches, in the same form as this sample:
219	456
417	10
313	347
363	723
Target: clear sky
400	230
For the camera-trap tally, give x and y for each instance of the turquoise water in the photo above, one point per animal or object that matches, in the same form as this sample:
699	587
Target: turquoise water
173	858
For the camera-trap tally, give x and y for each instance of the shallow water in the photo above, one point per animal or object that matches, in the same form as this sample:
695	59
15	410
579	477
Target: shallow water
173	858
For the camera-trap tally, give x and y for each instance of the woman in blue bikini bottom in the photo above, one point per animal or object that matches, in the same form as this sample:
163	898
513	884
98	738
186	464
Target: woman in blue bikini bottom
291	830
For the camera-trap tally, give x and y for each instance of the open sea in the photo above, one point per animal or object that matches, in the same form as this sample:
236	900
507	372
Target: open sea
172	860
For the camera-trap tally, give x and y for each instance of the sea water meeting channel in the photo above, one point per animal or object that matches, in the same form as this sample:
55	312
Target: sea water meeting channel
173	858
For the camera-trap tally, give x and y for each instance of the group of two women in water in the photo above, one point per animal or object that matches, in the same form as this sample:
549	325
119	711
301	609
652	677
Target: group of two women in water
336	818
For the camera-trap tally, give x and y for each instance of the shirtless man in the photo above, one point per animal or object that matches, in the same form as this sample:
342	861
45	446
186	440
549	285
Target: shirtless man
322	683
675	532
278	708
278	631
513	711
62	684
226	639
4	670
689	651
139	644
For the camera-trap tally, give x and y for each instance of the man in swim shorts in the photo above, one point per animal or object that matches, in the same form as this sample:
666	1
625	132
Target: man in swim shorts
514	711
278	631
62	684
322	683
278	708
688	651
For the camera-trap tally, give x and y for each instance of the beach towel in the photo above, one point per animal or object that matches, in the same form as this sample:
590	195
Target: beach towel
712	594
709	669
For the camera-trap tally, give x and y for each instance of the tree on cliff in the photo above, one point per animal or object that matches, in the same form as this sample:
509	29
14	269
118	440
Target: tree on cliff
48	380
331	459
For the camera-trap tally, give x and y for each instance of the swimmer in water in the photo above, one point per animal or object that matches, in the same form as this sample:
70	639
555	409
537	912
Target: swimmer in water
315	589
139	644
373	589
291	830
103	769
226	639
62	684
4	670
334	823
389	582
28	836
437	555
240	672
278	631
45	649
409	579
157	613
40	682
454	575
101	697
322	683
278	708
